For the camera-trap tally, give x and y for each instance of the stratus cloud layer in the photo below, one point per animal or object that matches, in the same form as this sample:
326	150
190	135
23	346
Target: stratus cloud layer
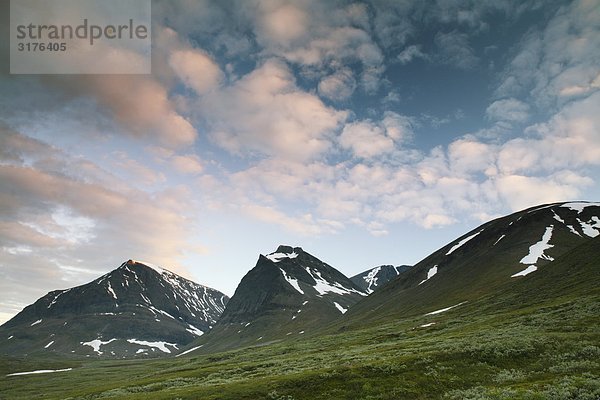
282	112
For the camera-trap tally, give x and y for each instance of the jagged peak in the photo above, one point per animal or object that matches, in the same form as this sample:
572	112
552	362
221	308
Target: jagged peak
282	248
136	263
284	251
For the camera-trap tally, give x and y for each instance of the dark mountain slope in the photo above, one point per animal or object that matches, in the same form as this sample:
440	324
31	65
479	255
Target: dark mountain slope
288	293
489	259
135	310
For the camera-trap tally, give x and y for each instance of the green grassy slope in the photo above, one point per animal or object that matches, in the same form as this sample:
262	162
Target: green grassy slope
534	338
480	268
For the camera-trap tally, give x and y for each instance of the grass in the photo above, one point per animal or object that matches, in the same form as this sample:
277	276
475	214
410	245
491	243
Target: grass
541	351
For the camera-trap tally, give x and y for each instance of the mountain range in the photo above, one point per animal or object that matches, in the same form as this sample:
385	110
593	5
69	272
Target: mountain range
290	293
486	261
136	310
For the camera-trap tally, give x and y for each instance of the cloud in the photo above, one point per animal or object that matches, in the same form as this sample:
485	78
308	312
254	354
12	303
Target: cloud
187	164
468	156
511	110
134	171
558	61
196	69
142	105
454	49
365	139
411	53
61	219
266	113
281	24
318	37
304	225
524	191
338	86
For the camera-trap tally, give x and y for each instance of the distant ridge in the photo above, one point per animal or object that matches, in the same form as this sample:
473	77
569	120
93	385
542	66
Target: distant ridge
374	278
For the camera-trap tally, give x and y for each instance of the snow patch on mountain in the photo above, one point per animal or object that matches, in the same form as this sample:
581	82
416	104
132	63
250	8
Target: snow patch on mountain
323	286
110	290
96	344
579	206
40	371
194	331
536	251
462	242
432	271
39	321
292	281
526	271
56	297
445	309
276	257
339	307
189	351
371	279
590	228
499	239
162	346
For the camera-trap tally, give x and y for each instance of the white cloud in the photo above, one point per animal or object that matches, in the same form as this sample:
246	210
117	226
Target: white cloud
142	105
468	156
369	139
281	24
338	86
524	191
196	69
317	36
266	113
559	61
511	110
366	139
187	164
134	171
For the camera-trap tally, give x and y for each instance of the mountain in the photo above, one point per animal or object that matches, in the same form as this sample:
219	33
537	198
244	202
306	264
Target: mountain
288	293
490	260
135	310
374	278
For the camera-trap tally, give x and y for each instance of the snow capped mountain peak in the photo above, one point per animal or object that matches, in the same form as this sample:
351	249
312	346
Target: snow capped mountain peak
276	257
284	252
95	319
288	291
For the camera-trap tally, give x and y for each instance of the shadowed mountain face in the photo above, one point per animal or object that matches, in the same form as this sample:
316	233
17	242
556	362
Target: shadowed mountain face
375	278
288	293
135	310
493	257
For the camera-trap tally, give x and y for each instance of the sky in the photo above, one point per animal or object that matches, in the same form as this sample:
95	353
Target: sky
366	132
